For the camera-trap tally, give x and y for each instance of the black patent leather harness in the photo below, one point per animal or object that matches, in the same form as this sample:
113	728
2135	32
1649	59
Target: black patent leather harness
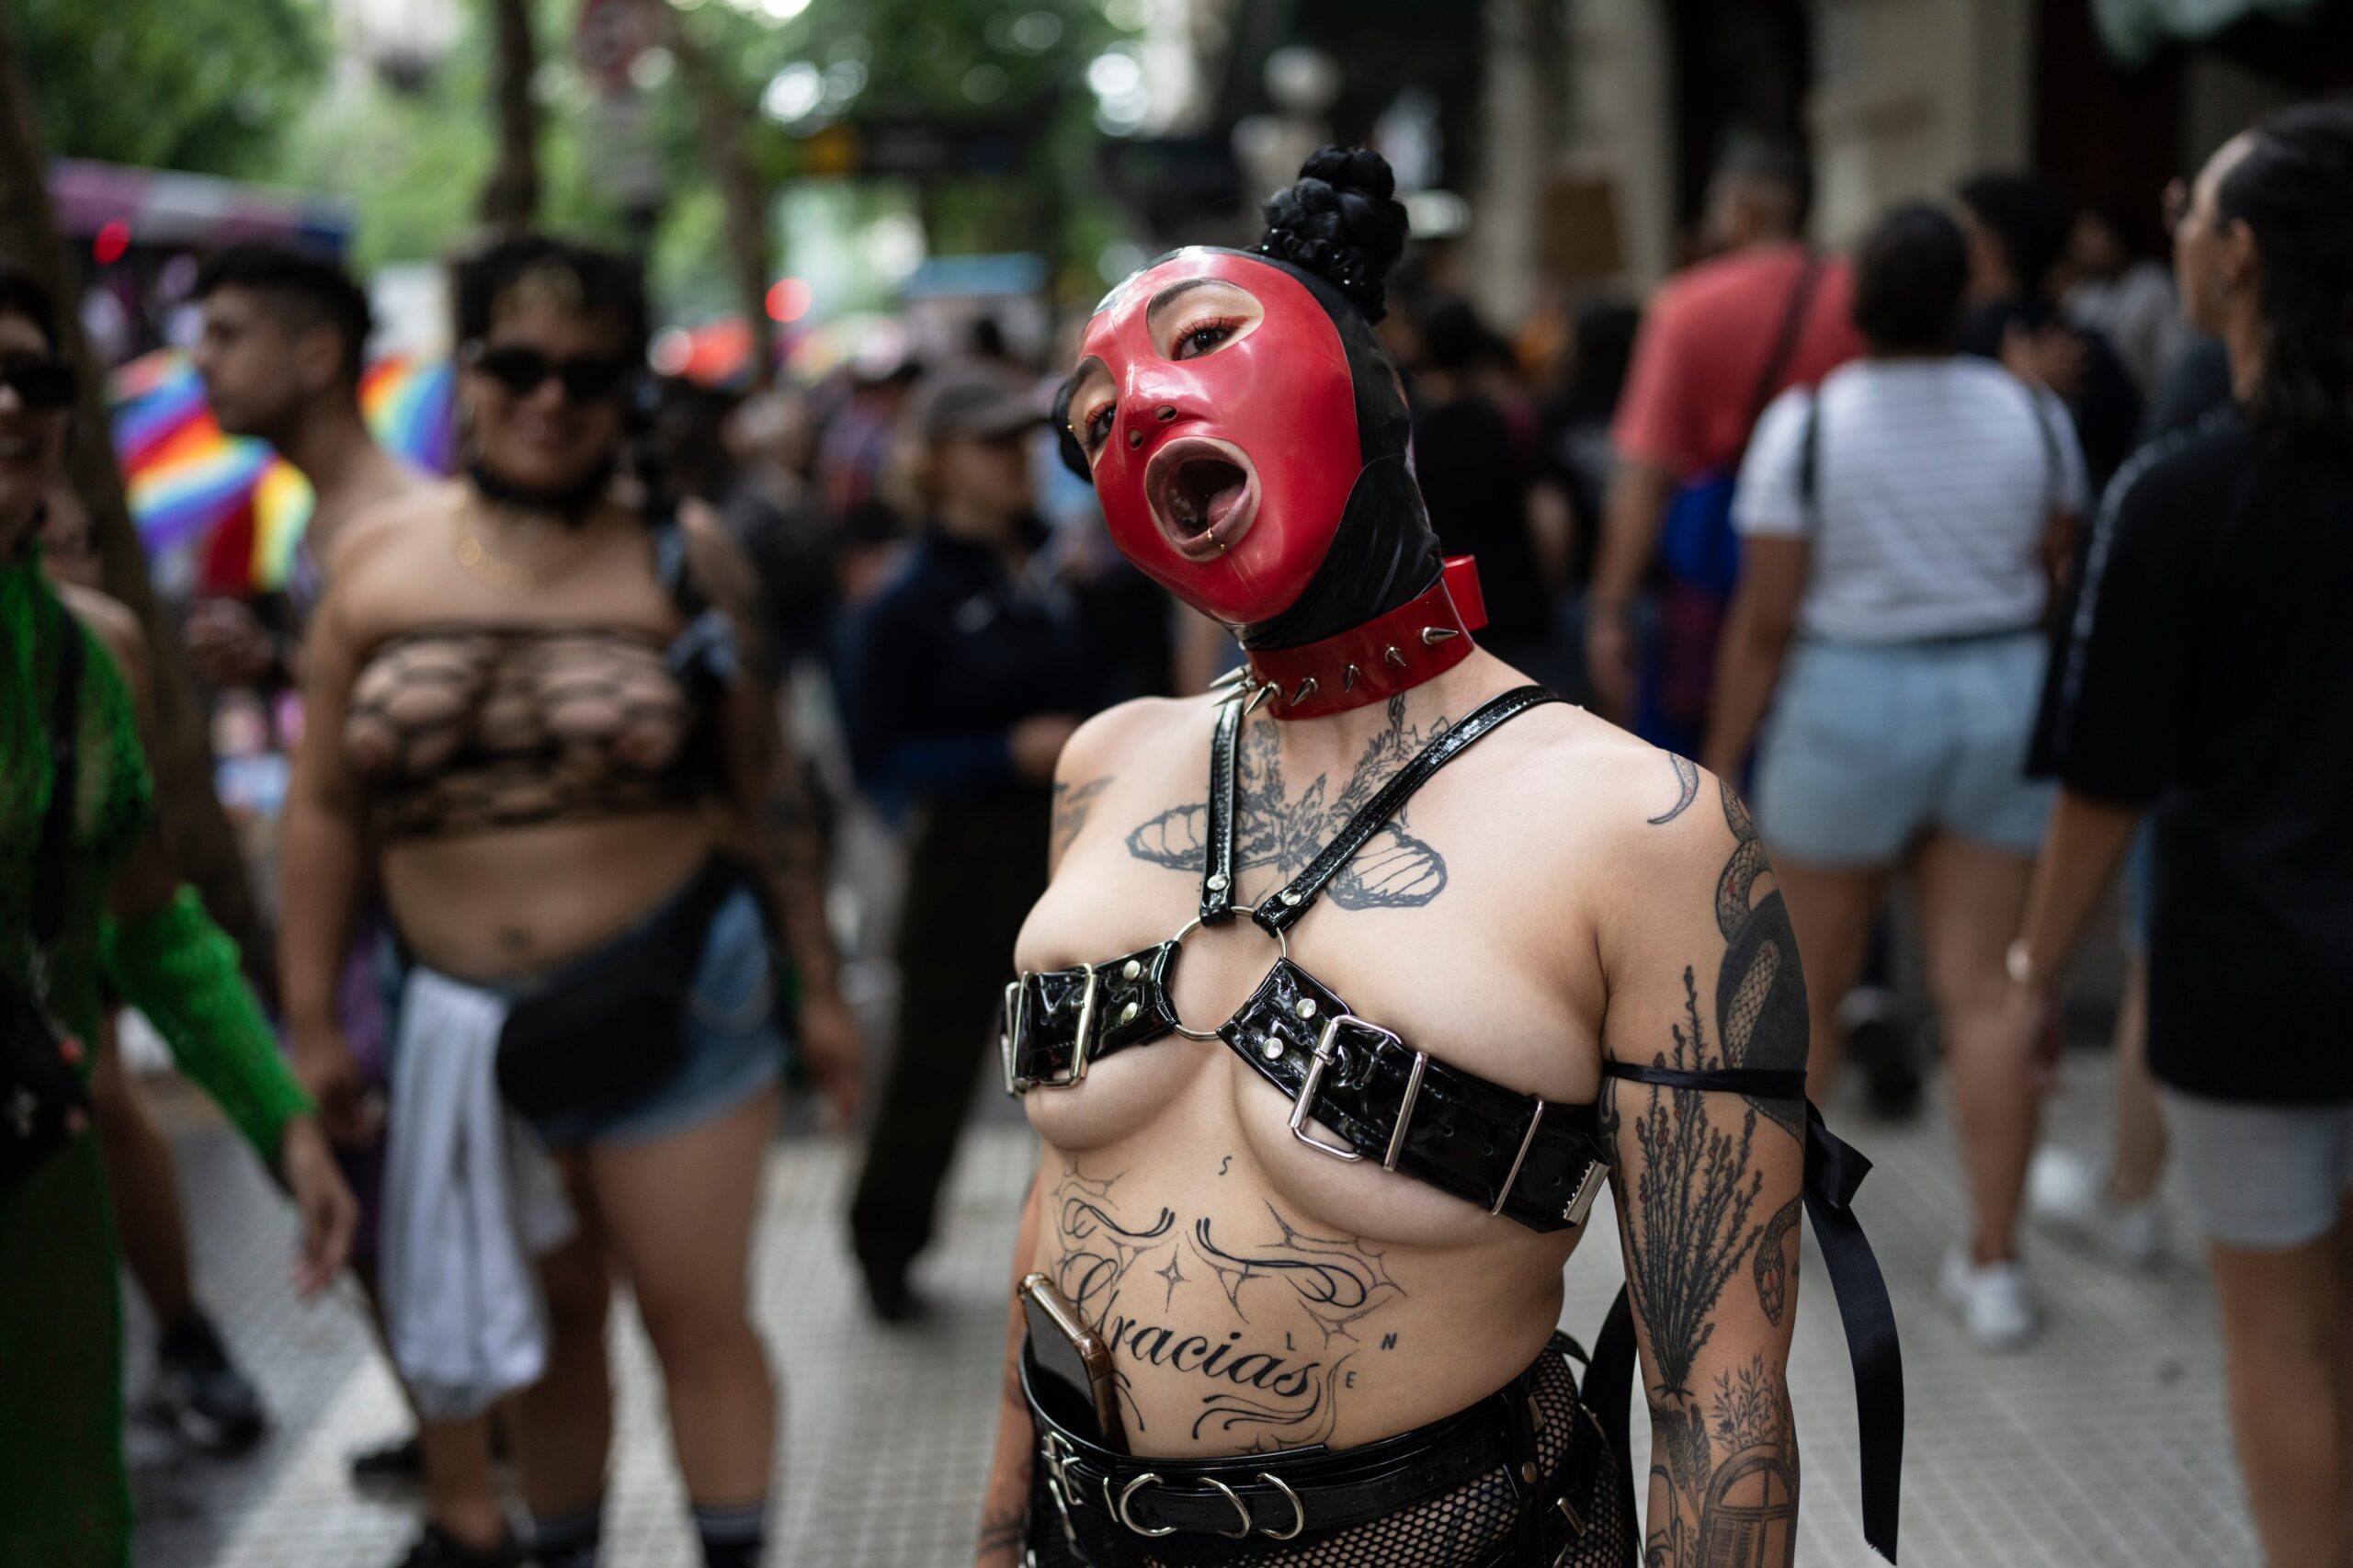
1534	1161
1531	1160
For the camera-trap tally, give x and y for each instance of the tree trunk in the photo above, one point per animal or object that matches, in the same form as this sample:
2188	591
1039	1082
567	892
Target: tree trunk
179	751
510	200
726	130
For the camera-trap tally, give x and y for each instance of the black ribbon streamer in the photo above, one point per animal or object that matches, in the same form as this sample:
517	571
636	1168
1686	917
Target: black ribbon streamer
1834	1170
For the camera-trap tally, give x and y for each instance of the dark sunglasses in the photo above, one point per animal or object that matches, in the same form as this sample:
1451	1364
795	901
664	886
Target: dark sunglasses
43	386
593	378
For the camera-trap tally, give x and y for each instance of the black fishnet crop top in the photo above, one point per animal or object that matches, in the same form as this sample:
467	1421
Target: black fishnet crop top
470	729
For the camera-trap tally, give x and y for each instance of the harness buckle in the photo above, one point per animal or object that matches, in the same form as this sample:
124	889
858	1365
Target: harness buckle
1009	1036
1076	1073
1327	1050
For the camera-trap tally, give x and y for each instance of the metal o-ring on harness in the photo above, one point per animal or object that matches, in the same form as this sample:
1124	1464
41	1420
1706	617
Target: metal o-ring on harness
1178	941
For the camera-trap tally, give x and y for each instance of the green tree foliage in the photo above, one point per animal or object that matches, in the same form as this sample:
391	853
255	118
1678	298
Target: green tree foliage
210	85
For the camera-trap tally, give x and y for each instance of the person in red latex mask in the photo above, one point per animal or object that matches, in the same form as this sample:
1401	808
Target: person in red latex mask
1330	1052
1249	439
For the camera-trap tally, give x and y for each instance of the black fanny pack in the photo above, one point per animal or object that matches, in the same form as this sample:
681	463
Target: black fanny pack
609	1030
43	1101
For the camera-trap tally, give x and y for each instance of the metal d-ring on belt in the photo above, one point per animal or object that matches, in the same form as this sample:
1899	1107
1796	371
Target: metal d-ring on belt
1519	1155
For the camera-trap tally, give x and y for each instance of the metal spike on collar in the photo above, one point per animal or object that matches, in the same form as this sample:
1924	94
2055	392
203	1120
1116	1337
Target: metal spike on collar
1348	679
1259	698
1433	636
1394	656
1306	690
1234	676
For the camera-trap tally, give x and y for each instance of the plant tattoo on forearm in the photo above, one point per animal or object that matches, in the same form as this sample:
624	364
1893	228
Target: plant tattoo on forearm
1130	1279
1275	829
1725	1488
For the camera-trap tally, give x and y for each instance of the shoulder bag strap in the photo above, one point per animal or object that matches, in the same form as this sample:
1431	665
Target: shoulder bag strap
1785	345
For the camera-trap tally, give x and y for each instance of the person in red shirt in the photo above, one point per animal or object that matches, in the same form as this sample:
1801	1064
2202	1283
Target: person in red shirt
1720	341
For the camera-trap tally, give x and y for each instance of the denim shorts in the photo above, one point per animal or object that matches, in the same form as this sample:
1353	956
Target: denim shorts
2264	1177
734	1045
1870	746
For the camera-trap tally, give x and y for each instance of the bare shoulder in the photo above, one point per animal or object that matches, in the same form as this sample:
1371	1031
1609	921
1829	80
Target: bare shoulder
110	621
1118	737
381	528
1602	785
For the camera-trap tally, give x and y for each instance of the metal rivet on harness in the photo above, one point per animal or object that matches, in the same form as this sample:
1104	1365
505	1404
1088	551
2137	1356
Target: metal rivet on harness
1306	1008
1131	970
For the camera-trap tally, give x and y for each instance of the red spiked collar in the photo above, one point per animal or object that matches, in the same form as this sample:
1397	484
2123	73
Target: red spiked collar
1390	653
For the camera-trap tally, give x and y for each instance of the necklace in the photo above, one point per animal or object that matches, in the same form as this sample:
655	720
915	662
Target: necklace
491	571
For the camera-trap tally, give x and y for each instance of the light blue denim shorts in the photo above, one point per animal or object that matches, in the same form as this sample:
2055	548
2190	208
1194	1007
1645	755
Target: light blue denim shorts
734	1045
2265	1177
1869	745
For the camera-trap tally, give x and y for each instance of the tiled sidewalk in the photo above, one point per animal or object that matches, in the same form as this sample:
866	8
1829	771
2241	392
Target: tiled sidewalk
2105	1444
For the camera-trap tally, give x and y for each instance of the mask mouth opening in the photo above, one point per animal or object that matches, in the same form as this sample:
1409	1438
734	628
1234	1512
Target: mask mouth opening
1203	494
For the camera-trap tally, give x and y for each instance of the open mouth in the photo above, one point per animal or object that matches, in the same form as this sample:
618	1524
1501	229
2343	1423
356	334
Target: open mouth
1203	494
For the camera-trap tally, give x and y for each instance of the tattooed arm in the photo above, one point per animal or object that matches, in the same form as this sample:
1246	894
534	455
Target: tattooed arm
1004	1506
1702	972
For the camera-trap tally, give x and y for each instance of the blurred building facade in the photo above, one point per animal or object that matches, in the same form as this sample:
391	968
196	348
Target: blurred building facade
1580	132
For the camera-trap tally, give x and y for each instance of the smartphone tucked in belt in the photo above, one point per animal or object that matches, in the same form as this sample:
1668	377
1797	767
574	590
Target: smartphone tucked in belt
1062	1343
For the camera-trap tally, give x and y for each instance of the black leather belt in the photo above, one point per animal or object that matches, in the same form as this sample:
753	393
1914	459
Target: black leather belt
1312	1490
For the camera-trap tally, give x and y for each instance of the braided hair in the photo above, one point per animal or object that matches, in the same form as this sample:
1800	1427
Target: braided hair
1341	221
2294	187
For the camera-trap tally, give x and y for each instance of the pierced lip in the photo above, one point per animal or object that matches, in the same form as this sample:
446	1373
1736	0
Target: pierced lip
1202	510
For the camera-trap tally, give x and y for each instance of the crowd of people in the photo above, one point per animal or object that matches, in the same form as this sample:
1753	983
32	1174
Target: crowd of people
1989	558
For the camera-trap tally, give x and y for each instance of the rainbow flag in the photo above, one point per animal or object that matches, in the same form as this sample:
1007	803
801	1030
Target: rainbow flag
189	482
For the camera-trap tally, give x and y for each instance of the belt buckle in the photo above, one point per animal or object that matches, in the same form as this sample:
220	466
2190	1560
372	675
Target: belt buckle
1056	1449
1076	1073
1327	1050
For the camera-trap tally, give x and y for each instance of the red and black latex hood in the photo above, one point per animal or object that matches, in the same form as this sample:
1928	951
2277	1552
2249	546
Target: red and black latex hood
1284	455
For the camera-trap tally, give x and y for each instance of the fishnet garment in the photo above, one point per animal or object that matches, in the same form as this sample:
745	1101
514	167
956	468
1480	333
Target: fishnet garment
1469	1527
466	730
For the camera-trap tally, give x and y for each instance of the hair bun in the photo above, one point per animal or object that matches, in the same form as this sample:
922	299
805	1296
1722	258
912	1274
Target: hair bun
1341	221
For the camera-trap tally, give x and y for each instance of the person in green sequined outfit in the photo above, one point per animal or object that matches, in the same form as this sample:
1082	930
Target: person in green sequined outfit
65	1500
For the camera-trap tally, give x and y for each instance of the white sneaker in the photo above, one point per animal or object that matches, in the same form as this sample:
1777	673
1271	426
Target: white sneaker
1992	1300
2069	1193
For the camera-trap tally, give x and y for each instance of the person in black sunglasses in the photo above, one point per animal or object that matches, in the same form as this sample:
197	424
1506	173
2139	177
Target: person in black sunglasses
536	716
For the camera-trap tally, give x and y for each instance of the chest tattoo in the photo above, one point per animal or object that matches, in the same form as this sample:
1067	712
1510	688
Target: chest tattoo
1279	828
